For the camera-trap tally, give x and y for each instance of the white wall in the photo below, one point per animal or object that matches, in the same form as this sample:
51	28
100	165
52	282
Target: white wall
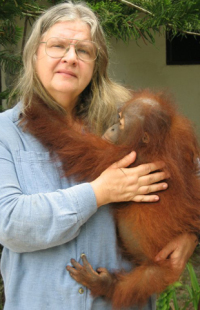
145	66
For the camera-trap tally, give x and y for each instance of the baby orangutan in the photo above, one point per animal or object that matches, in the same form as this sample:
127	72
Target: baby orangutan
157	132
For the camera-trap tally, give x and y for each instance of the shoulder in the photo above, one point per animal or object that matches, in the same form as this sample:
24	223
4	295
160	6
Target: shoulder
10	130
10	116
13	136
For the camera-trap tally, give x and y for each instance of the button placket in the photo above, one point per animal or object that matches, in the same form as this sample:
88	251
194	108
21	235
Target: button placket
81	290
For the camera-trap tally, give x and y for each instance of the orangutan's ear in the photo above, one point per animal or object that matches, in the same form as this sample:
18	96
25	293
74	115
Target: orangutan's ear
146	138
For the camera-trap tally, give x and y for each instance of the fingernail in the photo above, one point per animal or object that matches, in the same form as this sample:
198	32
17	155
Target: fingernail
157	259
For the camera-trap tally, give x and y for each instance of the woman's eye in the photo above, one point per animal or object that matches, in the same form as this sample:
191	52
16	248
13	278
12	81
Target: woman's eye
58	46
55	45
83	51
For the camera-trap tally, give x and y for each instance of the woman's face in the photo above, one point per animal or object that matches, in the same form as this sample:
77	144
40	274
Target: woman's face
65	78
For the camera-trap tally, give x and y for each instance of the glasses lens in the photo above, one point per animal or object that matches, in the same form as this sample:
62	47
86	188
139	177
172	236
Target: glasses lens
57	47
86	50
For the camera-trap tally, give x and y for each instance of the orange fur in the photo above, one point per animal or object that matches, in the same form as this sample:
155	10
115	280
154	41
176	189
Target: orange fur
143	229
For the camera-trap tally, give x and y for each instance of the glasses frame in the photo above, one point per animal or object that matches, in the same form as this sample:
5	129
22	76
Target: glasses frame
77	40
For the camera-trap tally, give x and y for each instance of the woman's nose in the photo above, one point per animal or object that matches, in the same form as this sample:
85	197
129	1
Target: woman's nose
70	55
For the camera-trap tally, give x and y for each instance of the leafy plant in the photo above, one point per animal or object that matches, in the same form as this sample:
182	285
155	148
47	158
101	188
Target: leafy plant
190	293
164	300
11	12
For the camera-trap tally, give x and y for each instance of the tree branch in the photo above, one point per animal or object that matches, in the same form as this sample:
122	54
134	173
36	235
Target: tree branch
16	4
184	31
192	33
136	7
151	14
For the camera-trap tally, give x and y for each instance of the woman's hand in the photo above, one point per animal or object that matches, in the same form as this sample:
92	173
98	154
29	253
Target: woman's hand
119	183
179	251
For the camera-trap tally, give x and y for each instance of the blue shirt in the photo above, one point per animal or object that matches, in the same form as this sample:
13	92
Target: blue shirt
45	220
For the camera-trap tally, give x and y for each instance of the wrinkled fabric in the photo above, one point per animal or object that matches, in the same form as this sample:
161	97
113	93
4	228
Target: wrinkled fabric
45	220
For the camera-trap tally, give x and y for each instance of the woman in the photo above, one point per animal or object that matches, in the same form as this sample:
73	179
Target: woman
46	219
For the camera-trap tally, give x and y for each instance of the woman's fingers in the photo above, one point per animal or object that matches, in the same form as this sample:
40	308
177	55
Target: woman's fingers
120	183
146	169
146	198
150	167
140	170
145	190
153	178
125	161
145	174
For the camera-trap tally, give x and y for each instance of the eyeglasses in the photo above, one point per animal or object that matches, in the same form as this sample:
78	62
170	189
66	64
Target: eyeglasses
57	47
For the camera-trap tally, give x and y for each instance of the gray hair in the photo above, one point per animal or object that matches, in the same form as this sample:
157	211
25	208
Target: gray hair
97	102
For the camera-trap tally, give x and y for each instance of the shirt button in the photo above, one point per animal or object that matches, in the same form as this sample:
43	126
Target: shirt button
81	290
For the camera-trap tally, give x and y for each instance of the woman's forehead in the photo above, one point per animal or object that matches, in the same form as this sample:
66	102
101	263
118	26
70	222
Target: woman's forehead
76	29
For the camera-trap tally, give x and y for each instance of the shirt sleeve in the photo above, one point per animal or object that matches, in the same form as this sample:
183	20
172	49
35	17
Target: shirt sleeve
40	221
